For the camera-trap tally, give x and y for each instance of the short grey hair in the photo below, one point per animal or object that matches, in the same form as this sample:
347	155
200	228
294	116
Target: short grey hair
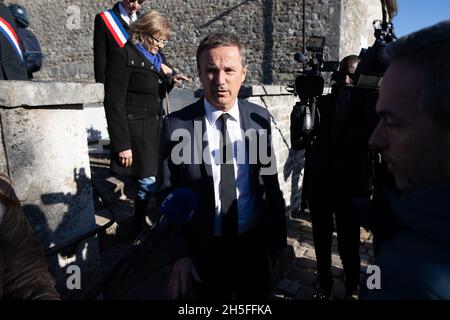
429	50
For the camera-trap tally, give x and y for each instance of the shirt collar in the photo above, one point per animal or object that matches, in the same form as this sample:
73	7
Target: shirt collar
212	113
128	17
122	9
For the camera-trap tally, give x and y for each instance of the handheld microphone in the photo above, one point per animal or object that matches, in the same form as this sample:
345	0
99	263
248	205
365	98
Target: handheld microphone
176	210
179	206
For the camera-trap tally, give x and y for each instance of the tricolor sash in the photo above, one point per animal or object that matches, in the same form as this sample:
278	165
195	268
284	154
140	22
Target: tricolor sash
114	26
12	37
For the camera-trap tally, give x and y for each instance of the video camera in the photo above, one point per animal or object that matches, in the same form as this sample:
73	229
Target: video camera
372	66
309	86
367	79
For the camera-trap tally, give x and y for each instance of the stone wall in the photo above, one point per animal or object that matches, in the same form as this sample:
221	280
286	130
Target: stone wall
357	33
272	31
43	149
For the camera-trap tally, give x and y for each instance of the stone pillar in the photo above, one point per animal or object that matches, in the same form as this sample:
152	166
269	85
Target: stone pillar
44	150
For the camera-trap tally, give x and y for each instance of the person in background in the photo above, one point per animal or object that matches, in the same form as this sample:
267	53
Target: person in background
137	80
12	66
111	30
23	267
333	177
413	136
31	48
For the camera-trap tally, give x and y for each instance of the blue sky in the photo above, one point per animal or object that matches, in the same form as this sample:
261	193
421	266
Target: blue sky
417	14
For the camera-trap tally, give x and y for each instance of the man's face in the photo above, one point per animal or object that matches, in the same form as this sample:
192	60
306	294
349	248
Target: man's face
416	149
221	75
132	5
351	68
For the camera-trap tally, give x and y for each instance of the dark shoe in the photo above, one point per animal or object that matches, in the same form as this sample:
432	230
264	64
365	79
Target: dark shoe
323	294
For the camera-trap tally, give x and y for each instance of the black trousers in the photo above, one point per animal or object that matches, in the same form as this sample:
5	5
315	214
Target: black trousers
348	239
233	269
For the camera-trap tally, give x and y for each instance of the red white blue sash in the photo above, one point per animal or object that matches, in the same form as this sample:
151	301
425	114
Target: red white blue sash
11	35
114	26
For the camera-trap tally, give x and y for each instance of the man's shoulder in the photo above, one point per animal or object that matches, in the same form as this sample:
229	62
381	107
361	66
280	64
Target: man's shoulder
253	108
189	112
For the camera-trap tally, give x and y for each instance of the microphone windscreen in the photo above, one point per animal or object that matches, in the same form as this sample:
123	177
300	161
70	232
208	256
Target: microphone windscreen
179	206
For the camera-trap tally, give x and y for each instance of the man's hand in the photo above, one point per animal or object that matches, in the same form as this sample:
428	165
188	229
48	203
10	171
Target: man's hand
183	271
126	158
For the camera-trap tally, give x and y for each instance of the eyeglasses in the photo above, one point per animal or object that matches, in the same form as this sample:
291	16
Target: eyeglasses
158	41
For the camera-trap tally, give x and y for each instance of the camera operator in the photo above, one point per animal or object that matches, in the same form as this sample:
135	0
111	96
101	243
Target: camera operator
336	172
413	135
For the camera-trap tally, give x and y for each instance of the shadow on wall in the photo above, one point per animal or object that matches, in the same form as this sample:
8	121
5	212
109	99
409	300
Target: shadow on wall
267	62
292	167
223	14
81	255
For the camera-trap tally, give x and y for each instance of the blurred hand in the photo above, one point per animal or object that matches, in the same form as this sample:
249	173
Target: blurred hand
179	77
126	158
183	271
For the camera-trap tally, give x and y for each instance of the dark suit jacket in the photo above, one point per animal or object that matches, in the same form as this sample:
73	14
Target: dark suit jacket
134	91
11	67
104	44
198	178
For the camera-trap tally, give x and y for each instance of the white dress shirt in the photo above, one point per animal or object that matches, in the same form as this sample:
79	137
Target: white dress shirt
247	218
127	17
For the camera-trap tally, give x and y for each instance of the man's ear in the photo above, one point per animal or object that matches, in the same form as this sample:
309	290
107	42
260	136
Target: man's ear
244	73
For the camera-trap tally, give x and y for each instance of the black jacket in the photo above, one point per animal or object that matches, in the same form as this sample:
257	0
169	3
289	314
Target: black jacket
134	91
11	67
415	261
104	44
337	155
197	177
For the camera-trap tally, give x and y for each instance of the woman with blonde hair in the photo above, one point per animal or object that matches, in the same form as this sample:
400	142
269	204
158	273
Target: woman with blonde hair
23	266
137	80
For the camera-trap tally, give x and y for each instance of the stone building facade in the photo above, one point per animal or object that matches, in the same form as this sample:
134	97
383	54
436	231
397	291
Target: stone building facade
272	31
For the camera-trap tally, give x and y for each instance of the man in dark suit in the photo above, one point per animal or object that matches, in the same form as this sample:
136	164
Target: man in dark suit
12	66
225	156
105	41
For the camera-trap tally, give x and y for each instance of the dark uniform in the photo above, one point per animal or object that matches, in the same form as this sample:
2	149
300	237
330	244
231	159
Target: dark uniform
104	44
337	172
11	68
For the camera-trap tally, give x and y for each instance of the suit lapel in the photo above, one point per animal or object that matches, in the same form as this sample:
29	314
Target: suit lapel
199	144
244	115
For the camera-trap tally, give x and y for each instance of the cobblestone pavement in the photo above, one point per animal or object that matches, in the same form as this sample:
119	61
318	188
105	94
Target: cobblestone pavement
297	279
